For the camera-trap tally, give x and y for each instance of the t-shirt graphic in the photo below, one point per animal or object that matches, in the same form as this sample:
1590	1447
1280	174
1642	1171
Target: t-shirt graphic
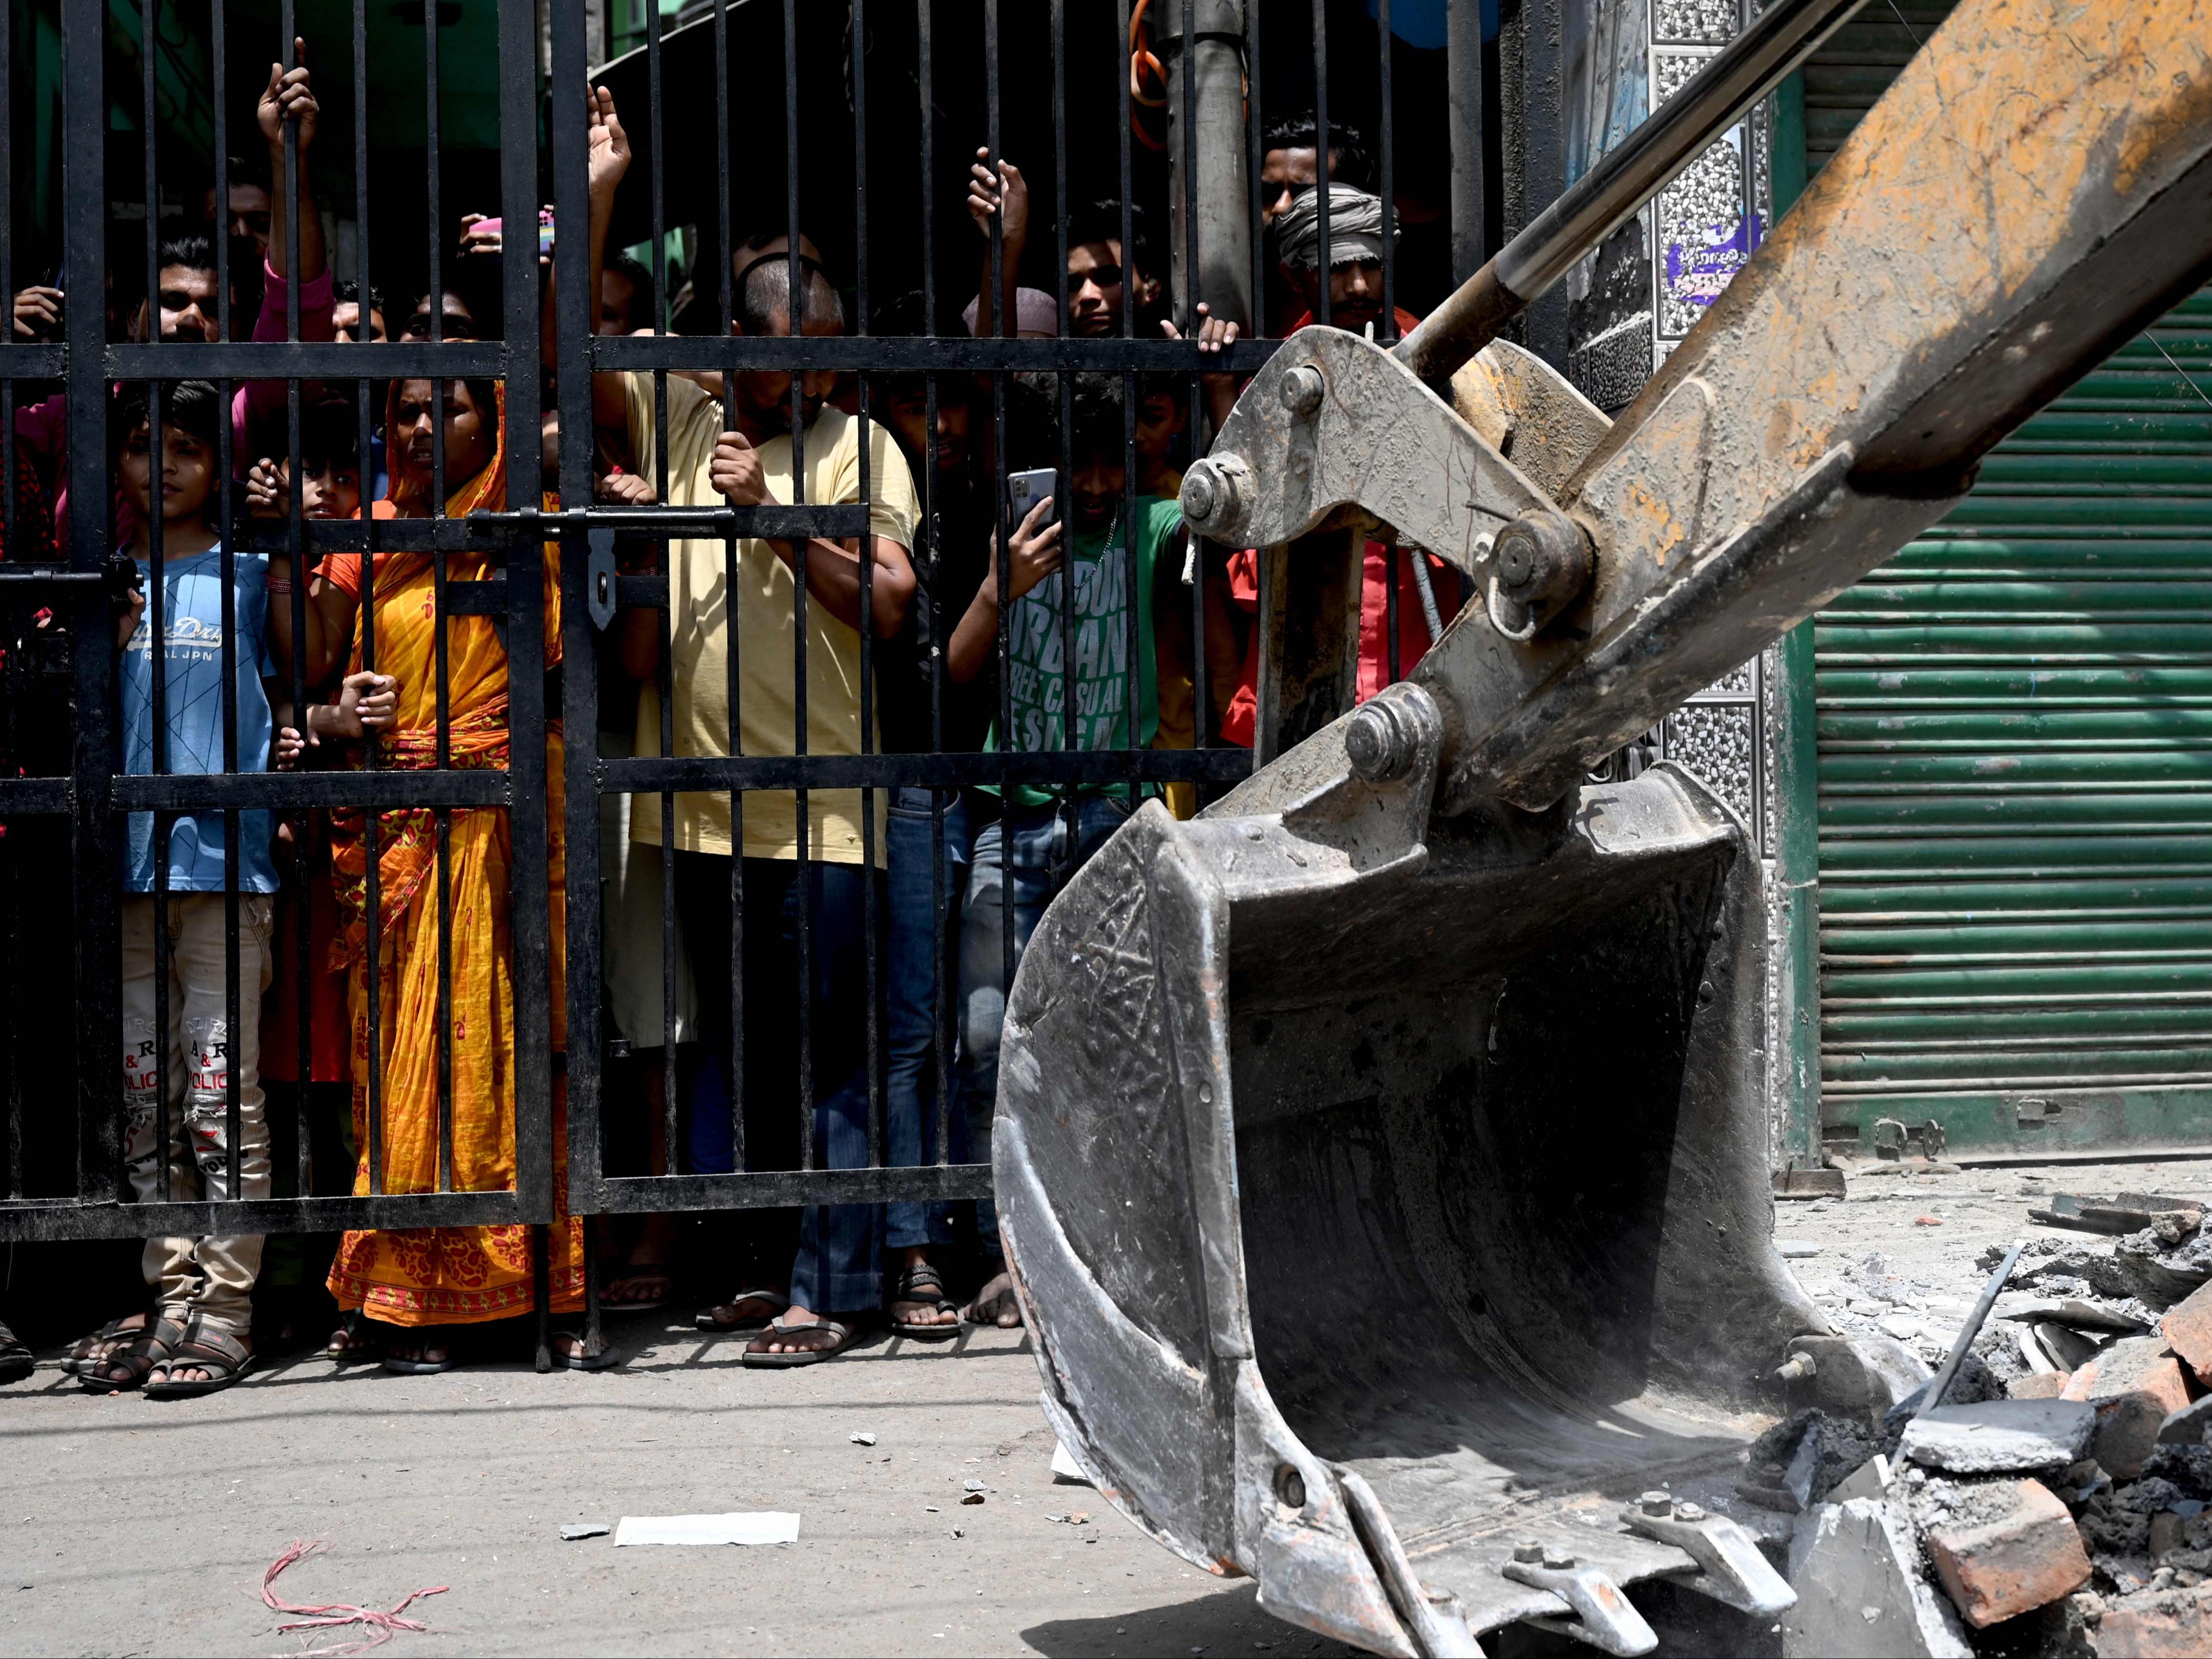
1038	678
191	626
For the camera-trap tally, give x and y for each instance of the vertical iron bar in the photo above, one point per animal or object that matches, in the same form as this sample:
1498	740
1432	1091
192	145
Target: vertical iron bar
730	586
868	883
441	641
530	750
372	820
805	874
933	616
663	671
1256	152
1321	150
93	758
1002	516
1131	690
1388	330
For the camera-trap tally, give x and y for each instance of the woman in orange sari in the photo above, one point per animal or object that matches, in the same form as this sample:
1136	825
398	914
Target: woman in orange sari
397	1285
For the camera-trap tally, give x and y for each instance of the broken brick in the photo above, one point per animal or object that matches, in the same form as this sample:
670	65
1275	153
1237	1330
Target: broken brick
2187	1327
2157	1624
2079	1384
2004	1548
2038	1385
2138	1385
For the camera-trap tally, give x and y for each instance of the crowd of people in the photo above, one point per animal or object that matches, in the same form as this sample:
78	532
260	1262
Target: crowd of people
409	975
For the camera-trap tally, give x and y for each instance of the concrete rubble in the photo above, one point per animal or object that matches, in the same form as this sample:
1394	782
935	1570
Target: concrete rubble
2058	1504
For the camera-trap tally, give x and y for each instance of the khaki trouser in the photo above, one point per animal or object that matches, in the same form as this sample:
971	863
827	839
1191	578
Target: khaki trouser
210	1276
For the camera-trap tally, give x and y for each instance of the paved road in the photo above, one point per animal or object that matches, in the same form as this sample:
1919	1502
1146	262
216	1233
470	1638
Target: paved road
130	1526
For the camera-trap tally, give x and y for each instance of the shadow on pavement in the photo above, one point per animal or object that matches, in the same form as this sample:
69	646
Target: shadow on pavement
1227	1622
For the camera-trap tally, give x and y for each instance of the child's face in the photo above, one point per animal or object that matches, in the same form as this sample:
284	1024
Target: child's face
187	472
1159	417
330	489
1098	482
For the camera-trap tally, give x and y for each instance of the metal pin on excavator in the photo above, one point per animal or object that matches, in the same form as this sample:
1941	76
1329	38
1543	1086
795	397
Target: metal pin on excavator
1382	1154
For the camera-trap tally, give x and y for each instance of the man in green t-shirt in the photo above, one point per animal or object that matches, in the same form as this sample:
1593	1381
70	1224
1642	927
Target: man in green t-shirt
1080	659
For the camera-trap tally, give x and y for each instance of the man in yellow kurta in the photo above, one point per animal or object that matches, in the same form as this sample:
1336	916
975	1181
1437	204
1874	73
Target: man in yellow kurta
801	1010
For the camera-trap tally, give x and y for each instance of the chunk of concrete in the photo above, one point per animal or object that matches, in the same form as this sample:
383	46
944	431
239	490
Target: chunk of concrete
2000	1437
2003	1547
1869	1479
2189	1426
1859	1590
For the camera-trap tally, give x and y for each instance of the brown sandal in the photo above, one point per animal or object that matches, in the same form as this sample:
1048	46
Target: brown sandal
146	1354
115	1330
207	1348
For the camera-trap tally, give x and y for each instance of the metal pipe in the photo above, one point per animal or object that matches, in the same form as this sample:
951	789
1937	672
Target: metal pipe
1642	165
1217	188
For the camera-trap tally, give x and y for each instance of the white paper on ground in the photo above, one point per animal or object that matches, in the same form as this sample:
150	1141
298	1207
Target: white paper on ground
756	1527
1064	1468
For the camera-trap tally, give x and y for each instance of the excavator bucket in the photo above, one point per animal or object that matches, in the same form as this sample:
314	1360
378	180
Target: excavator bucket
1382	1155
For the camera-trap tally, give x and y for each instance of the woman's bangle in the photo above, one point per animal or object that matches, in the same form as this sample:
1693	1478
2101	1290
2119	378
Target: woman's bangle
280	584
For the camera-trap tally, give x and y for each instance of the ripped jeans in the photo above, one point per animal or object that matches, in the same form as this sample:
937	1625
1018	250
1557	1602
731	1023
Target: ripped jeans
213	1277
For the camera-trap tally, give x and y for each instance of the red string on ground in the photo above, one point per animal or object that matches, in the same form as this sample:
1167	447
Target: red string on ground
382	1626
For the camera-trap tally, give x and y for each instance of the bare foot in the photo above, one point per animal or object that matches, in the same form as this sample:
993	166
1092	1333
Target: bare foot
995	1304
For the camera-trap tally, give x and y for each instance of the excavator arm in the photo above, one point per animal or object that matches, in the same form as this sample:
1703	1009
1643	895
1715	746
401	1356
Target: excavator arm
1382	1155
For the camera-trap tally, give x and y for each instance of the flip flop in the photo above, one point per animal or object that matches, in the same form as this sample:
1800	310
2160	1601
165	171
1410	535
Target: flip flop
766	1361
424	1367
705	1320
207	1348
921	1283
605	1358
16	1362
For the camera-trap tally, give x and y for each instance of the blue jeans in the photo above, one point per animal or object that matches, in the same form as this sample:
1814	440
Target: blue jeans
911	963
840	1246
1048	847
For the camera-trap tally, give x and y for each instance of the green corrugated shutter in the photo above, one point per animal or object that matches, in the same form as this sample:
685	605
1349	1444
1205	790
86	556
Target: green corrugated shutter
2015	785
2014	722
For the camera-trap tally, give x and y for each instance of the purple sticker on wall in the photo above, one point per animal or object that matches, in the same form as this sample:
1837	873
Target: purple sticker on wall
1697	276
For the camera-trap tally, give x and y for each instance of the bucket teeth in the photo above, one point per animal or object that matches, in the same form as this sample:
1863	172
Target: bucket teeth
1601	1615
1734	1572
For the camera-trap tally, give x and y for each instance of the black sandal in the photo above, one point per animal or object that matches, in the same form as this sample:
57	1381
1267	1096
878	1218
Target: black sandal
921	1283
146	1354
16	1362
841	1337
207	1348
581	1360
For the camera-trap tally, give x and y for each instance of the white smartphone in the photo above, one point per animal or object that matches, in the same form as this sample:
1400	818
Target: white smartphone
1025	489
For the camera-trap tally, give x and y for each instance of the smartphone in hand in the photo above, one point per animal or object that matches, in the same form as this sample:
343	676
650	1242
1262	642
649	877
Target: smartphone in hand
1025	489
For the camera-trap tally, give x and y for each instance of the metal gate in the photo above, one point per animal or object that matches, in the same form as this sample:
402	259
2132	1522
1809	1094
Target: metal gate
1056	78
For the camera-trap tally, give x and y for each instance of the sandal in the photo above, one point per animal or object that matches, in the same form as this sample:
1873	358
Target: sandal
580	1360
705	1320
921	1283
424	1367
115	1331
843	1335
207	1348
16	1360
358	1340
146	1354
635	1272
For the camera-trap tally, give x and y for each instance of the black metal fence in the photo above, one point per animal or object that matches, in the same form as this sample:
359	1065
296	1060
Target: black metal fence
850	129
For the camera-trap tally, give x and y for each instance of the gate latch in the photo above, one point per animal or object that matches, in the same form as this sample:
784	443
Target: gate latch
601	586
